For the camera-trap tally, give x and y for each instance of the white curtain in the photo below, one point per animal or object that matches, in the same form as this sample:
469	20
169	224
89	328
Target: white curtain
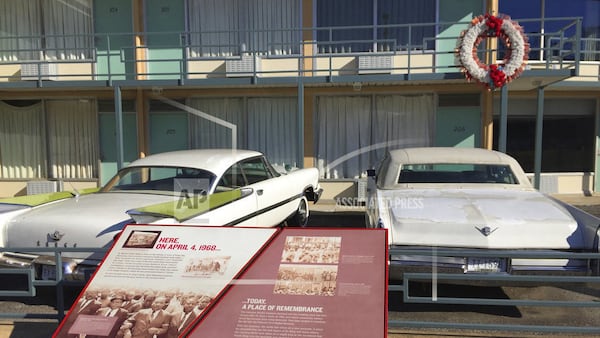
353	133
343	133
68	29
230	27
46	29
401	122
73	138
268	125
22	135
273	129
20	30
207	134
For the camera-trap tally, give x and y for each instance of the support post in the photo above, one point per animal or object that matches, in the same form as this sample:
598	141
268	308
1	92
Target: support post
539	127
119	126
300	137
503	119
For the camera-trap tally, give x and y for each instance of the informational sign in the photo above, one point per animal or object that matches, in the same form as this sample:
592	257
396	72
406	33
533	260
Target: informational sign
308	283
158	279
185	281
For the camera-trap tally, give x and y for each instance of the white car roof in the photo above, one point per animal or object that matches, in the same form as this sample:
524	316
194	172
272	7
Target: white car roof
449	155
213	160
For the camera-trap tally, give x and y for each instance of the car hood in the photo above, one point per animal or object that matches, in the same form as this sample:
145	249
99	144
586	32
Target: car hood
84	221
479	218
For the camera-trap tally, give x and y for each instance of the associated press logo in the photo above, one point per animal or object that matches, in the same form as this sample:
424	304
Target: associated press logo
191	193
390	203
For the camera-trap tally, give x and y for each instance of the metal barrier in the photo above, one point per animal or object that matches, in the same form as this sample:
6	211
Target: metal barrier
28	275
405	288
495	280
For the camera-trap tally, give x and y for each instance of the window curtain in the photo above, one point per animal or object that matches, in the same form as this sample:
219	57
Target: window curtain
46	29
402	122
208	134
72	138
231	27
20	30
22	151
68	29
273	129
268	125
343	135
353	133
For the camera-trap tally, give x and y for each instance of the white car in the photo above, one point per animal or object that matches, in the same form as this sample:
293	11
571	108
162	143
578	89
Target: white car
467	203
216	187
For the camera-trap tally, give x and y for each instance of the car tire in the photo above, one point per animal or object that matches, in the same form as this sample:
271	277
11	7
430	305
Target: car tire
300	217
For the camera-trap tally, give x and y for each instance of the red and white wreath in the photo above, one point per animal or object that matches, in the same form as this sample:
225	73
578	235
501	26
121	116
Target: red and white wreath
516	55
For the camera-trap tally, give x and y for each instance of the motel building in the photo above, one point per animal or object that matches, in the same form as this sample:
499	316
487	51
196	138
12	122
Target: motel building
87	86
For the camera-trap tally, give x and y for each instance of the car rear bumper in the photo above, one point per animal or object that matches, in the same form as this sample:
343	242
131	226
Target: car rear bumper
439	267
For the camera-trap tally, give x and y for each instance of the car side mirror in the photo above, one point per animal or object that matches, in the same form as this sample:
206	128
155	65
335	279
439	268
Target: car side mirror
371	173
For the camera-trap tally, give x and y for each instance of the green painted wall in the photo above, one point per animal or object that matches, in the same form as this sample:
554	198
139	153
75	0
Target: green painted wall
168	131
164	19
458	127
113	25
108	143
453	11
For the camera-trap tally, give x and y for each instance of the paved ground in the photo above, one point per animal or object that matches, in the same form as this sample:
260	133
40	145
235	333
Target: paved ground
34	328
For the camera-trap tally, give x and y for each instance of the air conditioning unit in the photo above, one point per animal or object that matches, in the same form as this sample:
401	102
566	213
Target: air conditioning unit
246	65
375	64
43	187
38	71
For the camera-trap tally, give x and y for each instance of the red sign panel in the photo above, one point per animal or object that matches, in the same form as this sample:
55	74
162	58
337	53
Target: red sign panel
308	283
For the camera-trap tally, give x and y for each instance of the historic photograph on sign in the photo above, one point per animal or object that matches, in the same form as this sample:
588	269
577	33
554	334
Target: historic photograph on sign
141	239
156	280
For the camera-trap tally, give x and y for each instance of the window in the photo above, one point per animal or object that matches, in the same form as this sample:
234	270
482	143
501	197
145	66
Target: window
232	178
568	138
567	144
588	9
232	27
72	138
456	173
22	139
352	133
255	170
387	30
46	30
254	117
171	180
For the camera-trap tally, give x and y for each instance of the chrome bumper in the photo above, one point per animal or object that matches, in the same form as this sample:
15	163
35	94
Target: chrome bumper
437	267
45	266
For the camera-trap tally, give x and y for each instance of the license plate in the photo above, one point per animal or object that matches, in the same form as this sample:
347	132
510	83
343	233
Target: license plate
486	264
48	272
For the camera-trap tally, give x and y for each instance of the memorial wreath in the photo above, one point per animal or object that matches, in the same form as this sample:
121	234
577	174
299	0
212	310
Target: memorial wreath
515	57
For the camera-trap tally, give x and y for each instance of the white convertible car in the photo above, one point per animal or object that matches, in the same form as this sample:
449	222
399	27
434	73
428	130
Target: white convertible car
460	205
220	187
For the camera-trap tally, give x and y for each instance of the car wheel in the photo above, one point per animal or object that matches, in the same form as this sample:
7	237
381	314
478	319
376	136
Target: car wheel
300	217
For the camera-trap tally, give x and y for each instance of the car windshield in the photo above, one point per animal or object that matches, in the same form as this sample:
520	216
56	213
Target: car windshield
161	180
456	173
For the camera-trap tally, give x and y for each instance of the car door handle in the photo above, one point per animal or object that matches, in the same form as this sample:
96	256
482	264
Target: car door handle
259	192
